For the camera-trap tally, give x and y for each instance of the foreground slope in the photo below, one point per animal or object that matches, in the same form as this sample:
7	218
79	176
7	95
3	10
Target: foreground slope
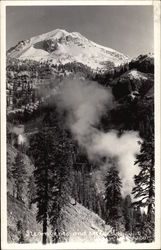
78	225
76	222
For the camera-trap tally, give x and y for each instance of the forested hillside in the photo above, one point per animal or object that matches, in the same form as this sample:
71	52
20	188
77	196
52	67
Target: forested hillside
52	179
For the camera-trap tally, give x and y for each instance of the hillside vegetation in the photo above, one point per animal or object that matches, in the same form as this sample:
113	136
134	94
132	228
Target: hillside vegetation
55	192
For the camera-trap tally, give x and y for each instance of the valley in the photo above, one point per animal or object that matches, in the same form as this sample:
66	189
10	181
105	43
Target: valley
76	111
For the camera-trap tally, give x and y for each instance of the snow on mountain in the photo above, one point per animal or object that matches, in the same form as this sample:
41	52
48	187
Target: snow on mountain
60	47
134	74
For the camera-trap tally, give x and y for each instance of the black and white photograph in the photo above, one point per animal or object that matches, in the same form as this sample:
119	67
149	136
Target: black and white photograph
81	136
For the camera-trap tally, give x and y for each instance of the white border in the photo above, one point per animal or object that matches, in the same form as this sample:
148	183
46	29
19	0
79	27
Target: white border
157	243
77	3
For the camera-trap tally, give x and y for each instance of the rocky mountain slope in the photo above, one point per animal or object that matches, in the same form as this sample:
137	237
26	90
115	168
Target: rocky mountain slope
35	69
61	47
78	225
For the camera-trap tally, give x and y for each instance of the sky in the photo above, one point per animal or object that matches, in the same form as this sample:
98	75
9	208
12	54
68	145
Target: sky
127	29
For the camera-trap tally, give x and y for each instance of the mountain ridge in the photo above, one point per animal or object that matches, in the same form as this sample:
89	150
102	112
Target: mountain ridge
60	47
29	103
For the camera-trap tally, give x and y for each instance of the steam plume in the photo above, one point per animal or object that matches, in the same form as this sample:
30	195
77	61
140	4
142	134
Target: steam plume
19	131
123	147
85	103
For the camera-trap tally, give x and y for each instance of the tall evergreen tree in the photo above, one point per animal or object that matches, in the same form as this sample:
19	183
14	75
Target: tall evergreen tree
113	197
63	163
41	147
19	174
9	167
31	191
144	181
128	213
51	173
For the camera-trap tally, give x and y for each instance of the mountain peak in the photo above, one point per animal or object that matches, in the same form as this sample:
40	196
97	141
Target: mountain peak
54	33
60	46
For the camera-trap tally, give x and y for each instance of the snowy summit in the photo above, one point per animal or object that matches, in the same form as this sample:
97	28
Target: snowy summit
60	47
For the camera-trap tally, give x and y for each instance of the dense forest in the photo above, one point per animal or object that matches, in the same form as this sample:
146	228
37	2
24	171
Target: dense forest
46	167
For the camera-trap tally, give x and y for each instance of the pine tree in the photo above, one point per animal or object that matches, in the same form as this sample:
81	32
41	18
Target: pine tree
9	172
144	182
9	167
128	213
19	174
50	154
20	231
41	148
113	197
31	191
62	174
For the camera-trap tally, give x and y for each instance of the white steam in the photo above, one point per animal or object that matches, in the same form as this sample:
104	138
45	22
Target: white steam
19	131
21	139
85	103
124	148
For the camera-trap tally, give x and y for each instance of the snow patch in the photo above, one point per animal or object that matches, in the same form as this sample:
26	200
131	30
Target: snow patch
70	47
137	75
